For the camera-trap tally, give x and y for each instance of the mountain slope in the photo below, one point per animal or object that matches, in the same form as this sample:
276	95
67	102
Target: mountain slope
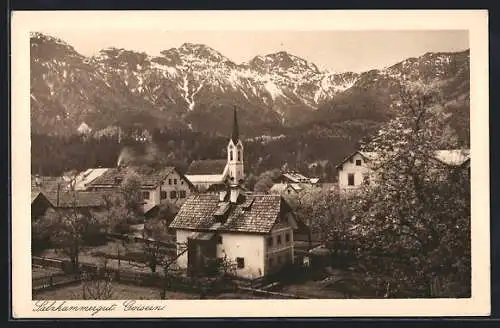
195	87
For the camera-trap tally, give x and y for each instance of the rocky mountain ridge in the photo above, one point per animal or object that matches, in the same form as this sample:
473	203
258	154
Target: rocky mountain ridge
195	87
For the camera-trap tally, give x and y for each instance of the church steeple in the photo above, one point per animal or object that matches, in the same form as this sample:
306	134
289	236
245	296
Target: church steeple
235	155
235	135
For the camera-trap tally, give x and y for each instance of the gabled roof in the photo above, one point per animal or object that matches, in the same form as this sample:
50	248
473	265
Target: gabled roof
78	199
254	213
87	176
367	155
47	183
296	177
207	167
149	177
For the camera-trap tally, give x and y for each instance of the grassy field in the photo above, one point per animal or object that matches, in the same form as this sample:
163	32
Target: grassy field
120	292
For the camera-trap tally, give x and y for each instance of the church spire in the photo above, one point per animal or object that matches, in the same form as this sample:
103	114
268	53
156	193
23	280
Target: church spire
235	135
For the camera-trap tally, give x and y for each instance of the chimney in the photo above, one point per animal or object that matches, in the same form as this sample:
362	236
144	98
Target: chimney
38	183
234	193
222	195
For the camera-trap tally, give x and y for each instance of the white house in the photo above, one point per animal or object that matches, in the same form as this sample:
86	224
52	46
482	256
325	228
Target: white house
255	232
357	169
157	186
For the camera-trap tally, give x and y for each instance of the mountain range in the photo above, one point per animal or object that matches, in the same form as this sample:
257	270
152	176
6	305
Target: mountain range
195	87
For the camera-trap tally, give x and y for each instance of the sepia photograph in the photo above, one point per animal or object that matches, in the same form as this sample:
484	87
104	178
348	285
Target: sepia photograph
249	164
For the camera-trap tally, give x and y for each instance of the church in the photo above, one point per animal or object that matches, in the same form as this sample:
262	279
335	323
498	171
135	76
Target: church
252	232
212	174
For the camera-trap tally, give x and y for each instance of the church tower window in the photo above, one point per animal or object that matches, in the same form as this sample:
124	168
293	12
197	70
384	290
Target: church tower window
231	155
239	155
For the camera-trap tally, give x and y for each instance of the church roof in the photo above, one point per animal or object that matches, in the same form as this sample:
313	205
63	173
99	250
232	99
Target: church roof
254	213
235	135
207	167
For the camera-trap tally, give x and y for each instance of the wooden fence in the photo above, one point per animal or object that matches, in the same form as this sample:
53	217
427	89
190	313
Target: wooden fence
54	280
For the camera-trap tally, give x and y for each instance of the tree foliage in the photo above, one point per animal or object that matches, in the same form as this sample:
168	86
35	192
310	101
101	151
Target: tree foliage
414	225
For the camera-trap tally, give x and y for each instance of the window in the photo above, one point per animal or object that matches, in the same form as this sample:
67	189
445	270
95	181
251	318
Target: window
240	262
231	155
219	240
270	241
287	237
278	241
239	155
169	181
358	162
145	195
270	262
175	181
289	191
173	194
350	179
182	194
163	194
182	181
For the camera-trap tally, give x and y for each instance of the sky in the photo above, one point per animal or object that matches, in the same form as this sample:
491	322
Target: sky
339	51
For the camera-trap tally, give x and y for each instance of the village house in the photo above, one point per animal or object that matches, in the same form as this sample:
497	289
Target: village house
205	174
295	177
357	168
290	183
166	185
255	232
85	178
86	202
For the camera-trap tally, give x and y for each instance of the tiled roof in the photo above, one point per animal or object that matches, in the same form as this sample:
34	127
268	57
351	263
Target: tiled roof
149	177
207	167
78	199
295	177
254	213
87	176
47	183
